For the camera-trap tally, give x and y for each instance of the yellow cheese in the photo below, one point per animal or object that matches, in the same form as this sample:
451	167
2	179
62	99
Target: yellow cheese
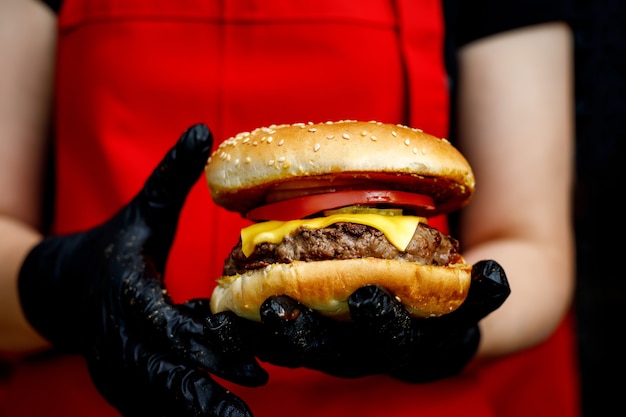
398	230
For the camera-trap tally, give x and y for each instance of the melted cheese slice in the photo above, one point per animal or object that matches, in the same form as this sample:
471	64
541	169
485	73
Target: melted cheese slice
398	230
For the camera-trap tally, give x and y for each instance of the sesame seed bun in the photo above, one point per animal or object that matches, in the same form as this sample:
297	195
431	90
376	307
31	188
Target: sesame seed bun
244	169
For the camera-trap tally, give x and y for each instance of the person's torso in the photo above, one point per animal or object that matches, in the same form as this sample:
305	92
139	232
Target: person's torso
133	75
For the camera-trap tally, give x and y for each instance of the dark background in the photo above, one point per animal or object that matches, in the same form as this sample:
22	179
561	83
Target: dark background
600	56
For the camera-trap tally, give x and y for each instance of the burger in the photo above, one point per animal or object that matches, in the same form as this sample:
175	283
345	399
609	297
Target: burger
336	206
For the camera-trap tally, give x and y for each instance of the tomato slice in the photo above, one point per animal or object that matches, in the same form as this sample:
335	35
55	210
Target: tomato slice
301	207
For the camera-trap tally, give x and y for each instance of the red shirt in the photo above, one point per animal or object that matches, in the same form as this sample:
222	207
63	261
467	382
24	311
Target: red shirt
134	74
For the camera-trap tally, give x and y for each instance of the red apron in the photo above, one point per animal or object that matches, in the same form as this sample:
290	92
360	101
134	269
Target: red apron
133	75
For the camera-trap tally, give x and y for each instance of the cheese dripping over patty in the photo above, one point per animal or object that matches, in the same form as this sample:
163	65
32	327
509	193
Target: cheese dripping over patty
399	230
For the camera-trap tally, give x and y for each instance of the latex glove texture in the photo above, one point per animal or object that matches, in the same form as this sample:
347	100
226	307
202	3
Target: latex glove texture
382	337
100	293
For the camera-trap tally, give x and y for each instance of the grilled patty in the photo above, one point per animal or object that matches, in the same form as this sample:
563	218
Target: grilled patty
346	241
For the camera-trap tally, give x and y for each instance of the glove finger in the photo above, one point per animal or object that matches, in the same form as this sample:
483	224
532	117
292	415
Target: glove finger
297	336
169	184
220	329
294	335
383	323
376	311
165	191
488	290
159	384
234	360
214	343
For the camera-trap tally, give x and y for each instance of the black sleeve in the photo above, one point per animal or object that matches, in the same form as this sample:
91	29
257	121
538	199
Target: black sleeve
55	5
471	20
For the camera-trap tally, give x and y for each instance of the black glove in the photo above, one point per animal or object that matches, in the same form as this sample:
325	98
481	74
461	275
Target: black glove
382	337
100	294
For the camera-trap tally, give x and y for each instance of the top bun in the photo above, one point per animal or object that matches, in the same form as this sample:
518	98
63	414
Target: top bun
244	168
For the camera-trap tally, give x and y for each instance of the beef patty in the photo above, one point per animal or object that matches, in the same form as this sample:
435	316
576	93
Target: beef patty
346	241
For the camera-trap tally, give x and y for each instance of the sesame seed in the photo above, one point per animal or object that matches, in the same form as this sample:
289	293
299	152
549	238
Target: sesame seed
363	132
270	162
407	142
237	161
246	140
248	159
281	159
280	142
374	138
316	147
270	139
393	133
330	136
312	130
345	136
415	151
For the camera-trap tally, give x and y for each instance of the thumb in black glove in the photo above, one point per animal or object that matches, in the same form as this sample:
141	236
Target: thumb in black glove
100	294
382	337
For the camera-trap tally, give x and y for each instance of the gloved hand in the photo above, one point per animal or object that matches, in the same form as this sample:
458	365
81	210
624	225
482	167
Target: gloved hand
382	337
100	294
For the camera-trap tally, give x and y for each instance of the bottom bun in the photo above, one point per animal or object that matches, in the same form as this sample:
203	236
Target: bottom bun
324	286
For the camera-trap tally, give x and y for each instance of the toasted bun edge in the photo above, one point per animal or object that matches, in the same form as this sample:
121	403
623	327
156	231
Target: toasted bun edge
325	286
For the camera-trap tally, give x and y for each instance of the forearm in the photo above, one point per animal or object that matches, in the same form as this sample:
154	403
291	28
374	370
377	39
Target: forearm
537	302
27	47
16	335
516	128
